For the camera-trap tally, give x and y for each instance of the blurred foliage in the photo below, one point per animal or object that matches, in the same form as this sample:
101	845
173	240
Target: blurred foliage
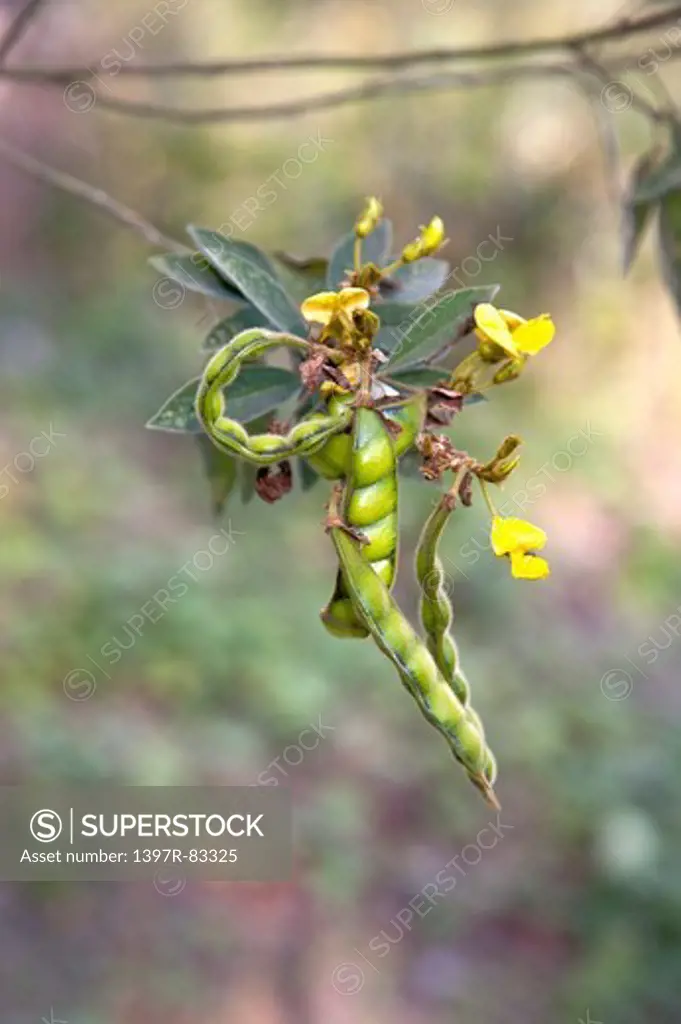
578	906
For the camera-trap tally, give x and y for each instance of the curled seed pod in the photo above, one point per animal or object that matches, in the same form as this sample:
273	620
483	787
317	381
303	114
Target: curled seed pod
437	615
369	508
417	669
304	438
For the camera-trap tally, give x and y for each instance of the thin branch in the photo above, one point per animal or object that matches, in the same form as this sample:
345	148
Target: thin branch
603	74
605	124
394	86
96	196
625	28
18	26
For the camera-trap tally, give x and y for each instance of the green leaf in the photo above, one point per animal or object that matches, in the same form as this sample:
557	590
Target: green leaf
375	249
661	177
253	276
257	390
221	470
635	213
193	273
248	473
393	314
420	377
226	329
415	281
308	476
670	244
438	323
301	277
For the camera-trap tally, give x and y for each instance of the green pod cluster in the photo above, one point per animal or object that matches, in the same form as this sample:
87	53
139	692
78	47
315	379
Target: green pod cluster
436	614
393	634
369	509
229	435
342	458
407	415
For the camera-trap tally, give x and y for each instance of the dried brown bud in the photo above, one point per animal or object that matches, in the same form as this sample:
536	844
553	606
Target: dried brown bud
272	483
312	370
443	405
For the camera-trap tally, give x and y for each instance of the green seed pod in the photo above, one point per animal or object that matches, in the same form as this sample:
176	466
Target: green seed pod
370	507
331	461
437	615
304	438
417	669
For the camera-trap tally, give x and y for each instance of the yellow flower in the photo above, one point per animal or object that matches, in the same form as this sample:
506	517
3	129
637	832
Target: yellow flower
369	217
518	539
516	336
429	241
324	307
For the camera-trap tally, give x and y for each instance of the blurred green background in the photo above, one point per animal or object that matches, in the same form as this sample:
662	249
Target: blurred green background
575	911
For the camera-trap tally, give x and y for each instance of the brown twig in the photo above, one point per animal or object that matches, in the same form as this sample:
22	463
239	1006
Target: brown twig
18	26
624	28
96	196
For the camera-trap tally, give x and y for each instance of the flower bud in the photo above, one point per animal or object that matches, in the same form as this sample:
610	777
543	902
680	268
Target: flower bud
428	242
369	217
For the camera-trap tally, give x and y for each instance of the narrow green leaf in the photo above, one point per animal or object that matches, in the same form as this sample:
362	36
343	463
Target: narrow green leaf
438	323
257	390
375	249
193	272
226	329
670	244
661	176
636	213
415	281
221	471
253	276
308	476
248	473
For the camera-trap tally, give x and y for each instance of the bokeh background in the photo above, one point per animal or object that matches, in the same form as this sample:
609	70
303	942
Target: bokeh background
574	914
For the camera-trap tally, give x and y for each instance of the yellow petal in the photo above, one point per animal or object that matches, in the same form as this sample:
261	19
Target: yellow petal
351	299
492	325
529	567
534	335
511	534
513	320
321	308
